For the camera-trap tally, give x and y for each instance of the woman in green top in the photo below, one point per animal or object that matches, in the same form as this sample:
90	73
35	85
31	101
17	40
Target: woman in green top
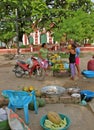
43	56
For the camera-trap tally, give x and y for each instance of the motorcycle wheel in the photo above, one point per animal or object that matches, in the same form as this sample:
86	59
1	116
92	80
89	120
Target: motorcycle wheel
40	74
18	72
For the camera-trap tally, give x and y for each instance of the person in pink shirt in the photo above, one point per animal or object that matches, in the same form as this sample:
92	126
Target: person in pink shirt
77	60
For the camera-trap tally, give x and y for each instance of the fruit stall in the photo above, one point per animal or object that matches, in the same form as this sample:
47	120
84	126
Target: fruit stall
51	94
59	66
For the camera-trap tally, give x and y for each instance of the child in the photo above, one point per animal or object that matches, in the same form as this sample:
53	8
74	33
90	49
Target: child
77	60
72	61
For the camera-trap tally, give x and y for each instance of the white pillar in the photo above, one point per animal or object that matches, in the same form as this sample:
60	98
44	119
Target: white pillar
25	39
47	37
31	48
38	37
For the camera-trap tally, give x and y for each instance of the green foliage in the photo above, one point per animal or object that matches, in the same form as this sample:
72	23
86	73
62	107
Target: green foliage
77	27
73	17
24	46
64	55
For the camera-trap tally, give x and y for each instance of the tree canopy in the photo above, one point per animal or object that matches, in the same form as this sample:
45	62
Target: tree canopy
71	17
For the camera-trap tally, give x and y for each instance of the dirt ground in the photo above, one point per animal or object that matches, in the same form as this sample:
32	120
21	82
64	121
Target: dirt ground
9	81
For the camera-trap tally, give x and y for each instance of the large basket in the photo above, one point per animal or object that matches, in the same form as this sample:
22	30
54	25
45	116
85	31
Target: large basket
42	120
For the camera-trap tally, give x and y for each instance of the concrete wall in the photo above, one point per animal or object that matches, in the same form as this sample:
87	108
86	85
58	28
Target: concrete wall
35	49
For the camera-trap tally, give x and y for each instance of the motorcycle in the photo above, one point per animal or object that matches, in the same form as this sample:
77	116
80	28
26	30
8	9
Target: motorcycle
22	68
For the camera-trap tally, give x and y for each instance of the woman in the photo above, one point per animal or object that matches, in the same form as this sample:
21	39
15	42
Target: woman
77	58
43	56
72	52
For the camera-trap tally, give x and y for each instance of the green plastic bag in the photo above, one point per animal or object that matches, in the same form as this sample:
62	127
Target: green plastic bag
4	125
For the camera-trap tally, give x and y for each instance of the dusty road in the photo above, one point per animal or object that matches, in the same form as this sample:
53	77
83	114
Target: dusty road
9	81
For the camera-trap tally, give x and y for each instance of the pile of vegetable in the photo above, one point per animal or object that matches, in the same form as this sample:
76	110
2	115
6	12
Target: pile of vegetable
28	89
40	103
58	67
39	100
55	58
58	64
54	121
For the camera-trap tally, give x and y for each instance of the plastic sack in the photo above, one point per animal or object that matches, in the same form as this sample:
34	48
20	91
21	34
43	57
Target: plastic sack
66	66
29	62
3	114
15	122
4	125
44	64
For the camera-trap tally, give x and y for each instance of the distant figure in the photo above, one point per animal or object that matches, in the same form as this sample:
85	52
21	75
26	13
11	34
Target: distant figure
90	64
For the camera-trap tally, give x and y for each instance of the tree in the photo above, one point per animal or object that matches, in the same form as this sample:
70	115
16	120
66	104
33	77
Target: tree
28	12
77	27
65	14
